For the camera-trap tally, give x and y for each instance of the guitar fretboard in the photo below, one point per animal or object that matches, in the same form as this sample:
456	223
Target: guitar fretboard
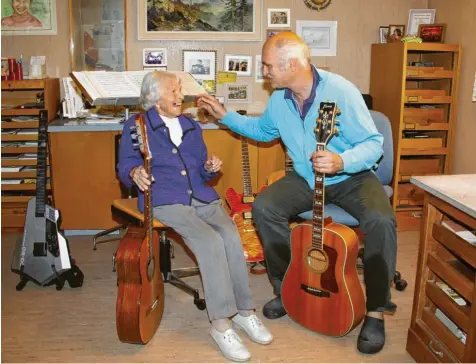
288	164
318	209
245	162
41	164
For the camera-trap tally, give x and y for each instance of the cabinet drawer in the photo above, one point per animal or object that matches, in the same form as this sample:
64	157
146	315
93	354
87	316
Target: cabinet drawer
426	96
421	143
423	115
418	167
428	72
426	348
13	214
409	194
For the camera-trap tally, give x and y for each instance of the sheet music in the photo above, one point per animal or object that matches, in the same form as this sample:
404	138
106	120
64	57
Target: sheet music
136	78
112	84
90	88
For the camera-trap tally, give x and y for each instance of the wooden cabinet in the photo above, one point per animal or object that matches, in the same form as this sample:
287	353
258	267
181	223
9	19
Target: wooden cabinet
85	183
443	329
421	103
19	142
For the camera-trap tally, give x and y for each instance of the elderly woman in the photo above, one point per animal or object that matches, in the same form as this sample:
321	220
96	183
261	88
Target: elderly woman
183	201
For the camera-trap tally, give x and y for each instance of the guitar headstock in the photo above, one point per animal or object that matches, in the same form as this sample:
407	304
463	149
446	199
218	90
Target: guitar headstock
139	136
326	123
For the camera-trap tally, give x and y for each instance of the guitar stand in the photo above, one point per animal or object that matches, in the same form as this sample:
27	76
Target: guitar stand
173	276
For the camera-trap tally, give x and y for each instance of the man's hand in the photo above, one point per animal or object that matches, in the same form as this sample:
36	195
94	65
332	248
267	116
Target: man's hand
211	105
140	178
326	162
213	164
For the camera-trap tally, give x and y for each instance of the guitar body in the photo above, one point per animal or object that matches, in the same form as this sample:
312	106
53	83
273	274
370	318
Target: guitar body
241	215
140	296
322	292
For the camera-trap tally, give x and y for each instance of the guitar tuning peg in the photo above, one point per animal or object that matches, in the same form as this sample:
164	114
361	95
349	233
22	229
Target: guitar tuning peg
337	122
338	112
336	131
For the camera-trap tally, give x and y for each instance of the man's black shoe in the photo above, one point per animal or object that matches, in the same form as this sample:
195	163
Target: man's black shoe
274	309
372	336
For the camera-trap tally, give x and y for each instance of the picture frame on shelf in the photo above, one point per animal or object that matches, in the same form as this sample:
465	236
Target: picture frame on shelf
42	17
395	33
153	57
202	65
238	93
383	34
320	36
240	64
432	33
163	20
279	18
417	17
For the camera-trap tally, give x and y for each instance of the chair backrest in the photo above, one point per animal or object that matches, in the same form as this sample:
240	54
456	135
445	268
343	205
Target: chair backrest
384	171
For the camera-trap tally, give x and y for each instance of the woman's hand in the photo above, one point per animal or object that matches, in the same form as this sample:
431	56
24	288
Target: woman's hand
213	164
140	178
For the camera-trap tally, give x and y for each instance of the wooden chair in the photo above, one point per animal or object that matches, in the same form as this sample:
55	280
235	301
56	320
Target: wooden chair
128	206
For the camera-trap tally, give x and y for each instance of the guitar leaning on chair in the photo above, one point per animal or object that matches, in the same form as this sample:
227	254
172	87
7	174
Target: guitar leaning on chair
42	255
140	294
321	289
240	204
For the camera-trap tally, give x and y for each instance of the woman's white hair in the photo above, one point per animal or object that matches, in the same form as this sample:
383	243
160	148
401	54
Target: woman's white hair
151	89
293	48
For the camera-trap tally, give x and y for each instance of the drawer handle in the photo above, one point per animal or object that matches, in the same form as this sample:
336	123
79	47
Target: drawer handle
437	353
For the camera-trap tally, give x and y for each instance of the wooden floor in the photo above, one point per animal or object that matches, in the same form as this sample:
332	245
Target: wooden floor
78	325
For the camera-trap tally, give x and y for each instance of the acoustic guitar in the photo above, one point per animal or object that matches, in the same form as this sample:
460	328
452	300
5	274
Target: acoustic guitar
321	289
240	204
140	295
288	167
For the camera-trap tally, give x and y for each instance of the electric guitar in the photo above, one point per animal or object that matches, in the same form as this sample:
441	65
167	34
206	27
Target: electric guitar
42	255
321	289
140	295
288	167
240	204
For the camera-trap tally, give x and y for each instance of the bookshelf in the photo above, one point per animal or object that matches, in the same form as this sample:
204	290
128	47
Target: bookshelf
19	142
415	85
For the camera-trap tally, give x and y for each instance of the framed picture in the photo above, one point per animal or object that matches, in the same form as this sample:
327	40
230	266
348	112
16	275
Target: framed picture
202	65
259	70
271	32
383	34
238	93
432	32
241	65
154	57
279	18
40	17
320	36
160	68
417	17
395	33
200	20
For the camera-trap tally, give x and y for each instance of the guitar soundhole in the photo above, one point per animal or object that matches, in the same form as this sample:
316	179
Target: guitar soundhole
317	260
150	268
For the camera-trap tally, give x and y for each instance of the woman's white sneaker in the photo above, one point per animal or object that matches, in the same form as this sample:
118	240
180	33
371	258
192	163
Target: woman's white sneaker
255	329
231	345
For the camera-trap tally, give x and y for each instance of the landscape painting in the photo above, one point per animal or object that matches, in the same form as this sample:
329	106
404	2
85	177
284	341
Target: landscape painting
200	19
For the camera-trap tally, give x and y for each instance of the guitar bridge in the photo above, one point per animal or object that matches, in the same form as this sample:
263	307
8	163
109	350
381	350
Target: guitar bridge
247	215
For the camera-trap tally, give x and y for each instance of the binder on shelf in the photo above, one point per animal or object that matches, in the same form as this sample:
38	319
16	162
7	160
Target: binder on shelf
103	88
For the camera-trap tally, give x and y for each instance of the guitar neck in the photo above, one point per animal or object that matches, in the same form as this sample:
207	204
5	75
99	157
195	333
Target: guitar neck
41	164
318	209
288	164
245	163
148	215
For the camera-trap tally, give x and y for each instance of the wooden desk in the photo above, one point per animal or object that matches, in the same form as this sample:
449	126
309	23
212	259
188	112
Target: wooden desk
445	257
83	167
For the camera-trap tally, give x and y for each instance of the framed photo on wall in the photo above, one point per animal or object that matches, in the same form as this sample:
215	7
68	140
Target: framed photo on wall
41	17
279	18
238	93
239	64
258	70
271	32
200	20
320	36
417	17
202	65
154	57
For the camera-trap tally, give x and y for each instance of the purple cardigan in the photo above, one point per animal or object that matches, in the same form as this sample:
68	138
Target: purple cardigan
179	172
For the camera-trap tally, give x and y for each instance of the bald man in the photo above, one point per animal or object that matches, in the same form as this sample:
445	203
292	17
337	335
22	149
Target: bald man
348	161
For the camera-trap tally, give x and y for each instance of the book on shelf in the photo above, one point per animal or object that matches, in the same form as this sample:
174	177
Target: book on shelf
11	181
123	88
12	169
